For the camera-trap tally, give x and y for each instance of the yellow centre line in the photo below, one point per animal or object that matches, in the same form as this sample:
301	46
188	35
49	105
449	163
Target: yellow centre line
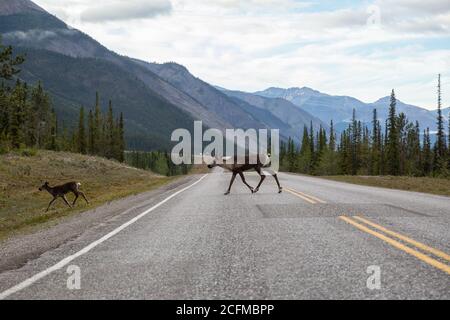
415	243
304	196
309	196
398	245
300	196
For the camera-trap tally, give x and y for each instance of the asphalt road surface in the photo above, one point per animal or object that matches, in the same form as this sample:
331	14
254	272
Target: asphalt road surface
319	239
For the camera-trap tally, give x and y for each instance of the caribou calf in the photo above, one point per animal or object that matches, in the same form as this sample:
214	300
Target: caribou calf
61	191
239	167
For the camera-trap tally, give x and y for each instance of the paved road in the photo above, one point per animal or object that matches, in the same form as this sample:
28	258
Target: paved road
314	241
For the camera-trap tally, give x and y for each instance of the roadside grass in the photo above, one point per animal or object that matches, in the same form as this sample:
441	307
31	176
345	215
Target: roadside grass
438	186
22	205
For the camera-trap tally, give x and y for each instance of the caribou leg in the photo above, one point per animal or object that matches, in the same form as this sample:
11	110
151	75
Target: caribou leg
76	198
263	177
245	182
77	195
231	183
67	202
51	202
280	189
84	196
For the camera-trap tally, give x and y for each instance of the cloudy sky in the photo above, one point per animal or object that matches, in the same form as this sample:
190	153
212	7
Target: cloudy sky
357	48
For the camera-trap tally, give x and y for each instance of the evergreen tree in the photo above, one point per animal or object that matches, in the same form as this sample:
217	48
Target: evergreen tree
413	157
81	136
121	141
4	112
97	127
375	145
91	133
40	123
440	149
53	141
17	117
74	145
332	145
448	149
160	164
345	152
402	128
110	133
312	147
9	63
392	144
381	150
365	152
329	164
64	141
322	141
282	155
427	158
305	156
291	155
354	144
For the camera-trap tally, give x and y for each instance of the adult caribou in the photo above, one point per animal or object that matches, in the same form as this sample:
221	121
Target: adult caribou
241	164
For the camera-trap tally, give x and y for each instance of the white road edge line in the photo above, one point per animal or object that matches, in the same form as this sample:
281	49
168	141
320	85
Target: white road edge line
88	248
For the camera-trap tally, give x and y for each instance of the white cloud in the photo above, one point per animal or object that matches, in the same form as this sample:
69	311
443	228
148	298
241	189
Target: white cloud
415	15
36	34
253	44
414	7
126	10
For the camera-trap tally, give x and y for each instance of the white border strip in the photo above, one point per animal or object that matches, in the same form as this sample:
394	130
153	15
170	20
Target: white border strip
88	248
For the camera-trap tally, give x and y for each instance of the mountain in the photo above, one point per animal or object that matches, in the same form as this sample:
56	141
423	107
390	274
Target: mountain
73	66
73	82
340	108
155	98
158	98
215	101
446	113
425	117
285	111
292	94
48	33
238	108
18	7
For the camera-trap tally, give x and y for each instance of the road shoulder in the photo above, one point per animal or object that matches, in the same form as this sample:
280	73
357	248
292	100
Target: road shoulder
421	185
19	249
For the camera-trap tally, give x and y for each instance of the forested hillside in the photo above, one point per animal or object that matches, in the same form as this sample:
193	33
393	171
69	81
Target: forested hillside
74	81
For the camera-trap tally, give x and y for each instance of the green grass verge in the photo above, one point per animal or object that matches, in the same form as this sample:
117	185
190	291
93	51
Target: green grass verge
438	186
23	206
